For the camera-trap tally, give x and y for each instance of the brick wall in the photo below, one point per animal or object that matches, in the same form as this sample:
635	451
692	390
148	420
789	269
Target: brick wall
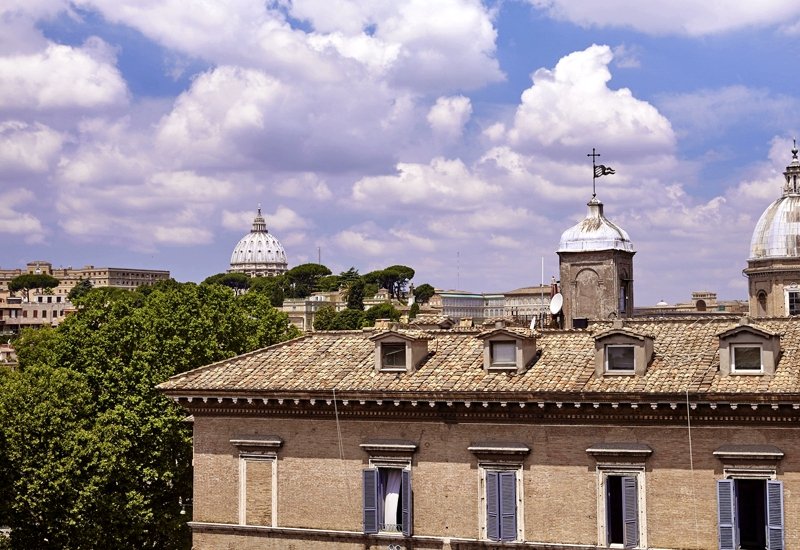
316	489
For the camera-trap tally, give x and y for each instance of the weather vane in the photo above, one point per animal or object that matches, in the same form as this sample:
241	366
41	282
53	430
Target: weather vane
597	170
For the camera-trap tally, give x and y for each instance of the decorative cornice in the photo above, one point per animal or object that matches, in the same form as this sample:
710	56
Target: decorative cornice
748	452
620	450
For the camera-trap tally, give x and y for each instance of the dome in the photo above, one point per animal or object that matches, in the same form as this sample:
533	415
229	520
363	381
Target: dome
595	232
259	253
777	233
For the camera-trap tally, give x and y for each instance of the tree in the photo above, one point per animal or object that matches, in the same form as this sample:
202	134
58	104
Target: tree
355	294
423	293
381	311
302	280
28	281
239	282
91	455
348	319
413	310
324	317
347	277
80	289
328	283
269	286
393	278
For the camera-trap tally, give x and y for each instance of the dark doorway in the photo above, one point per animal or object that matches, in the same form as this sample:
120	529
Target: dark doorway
614	519
752	514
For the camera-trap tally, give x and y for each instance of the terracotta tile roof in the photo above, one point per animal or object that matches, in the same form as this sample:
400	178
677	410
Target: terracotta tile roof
685	357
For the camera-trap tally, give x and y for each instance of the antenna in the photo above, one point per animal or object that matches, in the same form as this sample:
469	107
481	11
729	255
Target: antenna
458	269
319	255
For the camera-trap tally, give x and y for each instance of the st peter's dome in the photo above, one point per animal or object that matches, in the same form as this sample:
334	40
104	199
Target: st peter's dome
259	253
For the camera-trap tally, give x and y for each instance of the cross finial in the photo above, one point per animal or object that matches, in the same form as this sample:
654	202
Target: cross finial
794	148
594	156
259	209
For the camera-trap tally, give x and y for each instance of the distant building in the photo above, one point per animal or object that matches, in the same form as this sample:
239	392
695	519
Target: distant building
259	253
117	277
702	303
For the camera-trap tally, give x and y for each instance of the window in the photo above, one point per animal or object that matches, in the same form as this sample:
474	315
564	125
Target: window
793	302
746	358
387	500
257	496
619	358
621	506
750	513
504	354
500	494
393	356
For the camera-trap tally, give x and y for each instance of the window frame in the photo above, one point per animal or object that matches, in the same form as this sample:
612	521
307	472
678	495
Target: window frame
501	467
250	457
636	471
385	352
726	486
792	295
502	365
606	363
406	495
742	370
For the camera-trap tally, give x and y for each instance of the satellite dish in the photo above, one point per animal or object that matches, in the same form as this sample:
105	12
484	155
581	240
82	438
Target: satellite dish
555	303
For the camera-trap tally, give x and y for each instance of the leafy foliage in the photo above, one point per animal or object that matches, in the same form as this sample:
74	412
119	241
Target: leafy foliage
92	455
355	294
302	280
413	311
423	293
324	318
394	279
381	311
79	290
29	281
269	286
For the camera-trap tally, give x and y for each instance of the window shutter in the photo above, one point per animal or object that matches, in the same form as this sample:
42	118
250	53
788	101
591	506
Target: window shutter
405	496
370	500
775	515
492	506
726	514
630	512
508	505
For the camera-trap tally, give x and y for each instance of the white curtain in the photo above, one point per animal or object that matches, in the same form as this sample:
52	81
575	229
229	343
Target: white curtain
390	516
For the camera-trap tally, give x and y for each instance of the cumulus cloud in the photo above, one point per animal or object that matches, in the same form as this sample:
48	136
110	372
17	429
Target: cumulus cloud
686	17
61	77
443	184
15	222
572	106
359	240
449	115
28	148
304	186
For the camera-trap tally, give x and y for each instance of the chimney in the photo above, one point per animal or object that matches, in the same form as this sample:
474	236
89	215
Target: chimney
465	322
383	324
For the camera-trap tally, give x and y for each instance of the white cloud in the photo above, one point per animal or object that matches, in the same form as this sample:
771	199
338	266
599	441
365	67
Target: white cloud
356	240
28	147
14	222
61	77
441	185
687	17
413	240
627	57
571	106
449	115
306	185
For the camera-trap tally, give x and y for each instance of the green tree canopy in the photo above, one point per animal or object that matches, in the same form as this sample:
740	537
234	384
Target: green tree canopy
270	286
324	317
29	281
302	280
423	293
91	455
79	290
348	319
381	311
394	278
355	294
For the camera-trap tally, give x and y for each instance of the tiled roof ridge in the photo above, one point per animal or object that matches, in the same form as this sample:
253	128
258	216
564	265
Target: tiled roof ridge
228	359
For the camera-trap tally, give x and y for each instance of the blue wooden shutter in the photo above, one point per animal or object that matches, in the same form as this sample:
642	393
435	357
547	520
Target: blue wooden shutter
726	514
492	506
405	496
630	512
370	500
508	505
774	515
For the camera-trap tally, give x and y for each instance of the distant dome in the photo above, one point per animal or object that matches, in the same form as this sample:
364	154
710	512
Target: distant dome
777	233
259	253
662	303
595	232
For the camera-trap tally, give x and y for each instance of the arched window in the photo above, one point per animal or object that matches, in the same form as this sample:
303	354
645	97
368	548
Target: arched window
701	305
761	300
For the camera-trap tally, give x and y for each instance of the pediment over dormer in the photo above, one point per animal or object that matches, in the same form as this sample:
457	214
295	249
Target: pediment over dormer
621	351
748	350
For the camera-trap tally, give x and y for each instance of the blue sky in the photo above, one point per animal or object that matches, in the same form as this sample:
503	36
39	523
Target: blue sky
448	135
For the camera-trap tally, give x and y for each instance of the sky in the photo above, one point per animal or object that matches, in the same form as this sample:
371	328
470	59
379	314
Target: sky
447	135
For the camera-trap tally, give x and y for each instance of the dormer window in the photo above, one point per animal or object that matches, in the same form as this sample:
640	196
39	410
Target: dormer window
746	358
621	351
399	351
746	349
508	350
504	354
620	358
393	356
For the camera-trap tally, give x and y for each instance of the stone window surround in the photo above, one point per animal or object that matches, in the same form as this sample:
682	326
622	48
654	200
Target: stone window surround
257	448
747	335
618	336
503	457
621	459
525	350
416	350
